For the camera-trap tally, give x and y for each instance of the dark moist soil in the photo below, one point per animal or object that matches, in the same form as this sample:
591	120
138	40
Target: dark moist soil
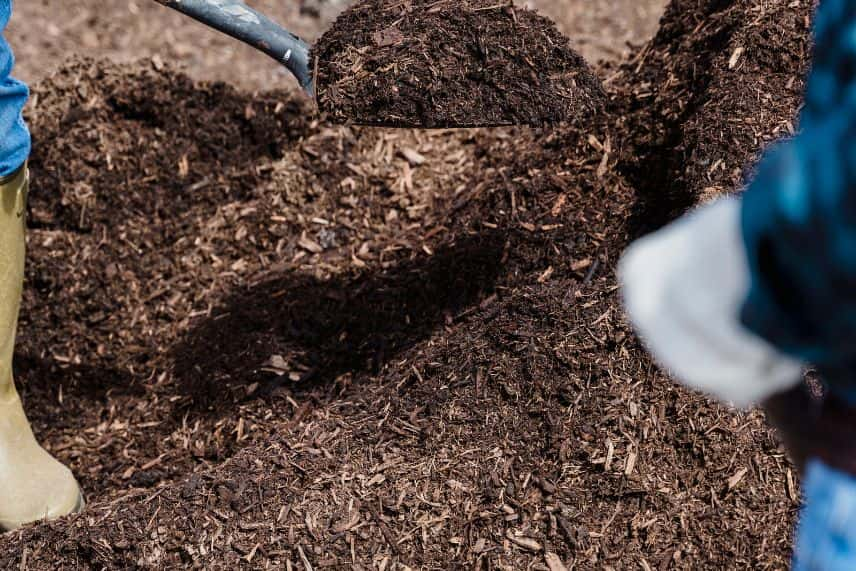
450	63
266	343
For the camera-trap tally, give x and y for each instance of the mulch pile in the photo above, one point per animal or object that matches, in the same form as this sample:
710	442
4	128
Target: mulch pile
452	63
263	342
718	83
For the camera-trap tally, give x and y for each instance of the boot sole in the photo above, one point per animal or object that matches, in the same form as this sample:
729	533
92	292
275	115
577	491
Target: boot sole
78	508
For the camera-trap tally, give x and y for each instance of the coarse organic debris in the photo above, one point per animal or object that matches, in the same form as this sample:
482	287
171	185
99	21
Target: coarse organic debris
263	342
450	63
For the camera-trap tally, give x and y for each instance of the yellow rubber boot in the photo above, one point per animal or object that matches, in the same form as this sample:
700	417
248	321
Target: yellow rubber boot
33	484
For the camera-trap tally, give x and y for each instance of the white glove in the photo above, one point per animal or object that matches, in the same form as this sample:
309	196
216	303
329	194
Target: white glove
683	288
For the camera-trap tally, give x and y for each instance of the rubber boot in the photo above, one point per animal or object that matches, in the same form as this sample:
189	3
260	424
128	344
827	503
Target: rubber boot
33	484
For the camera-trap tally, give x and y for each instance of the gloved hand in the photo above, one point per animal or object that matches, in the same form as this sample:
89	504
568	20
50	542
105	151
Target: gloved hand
683	289
815	427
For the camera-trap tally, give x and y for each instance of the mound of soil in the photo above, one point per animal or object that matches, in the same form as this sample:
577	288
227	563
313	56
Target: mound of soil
336	348
718	82
97	123
452	63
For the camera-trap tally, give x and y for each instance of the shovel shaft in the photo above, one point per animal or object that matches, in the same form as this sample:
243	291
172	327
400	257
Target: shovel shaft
236	19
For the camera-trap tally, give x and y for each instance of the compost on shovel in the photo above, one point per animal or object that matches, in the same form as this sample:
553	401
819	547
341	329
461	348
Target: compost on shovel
424	63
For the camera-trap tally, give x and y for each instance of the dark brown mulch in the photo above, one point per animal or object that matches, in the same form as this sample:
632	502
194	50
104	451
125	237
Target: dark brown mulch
717	83
452	63
328	347
194	139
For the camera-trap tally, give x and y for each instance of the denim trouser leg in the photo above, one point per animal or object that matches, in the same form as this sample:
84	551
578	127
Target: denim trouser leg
826	536
14	136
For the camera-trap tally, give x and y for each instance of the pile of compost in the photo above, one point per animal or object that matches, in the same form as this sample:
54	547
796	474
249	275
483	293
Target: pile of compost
452	63
262	342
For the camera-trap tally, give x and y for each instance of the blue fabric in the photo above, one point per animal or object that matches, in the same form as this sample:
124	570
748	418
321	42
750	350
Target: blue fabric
14	135
799	228
799	217
826	535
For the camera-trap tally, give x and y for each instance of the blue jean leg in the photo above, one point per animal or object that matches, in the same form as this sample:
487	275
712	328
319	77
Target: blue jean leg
14	135
826	534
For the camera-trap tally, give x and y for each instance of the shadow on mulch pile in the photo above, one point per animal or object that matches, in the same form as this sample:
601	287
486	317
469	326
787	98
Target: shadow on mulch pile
316	330
296	344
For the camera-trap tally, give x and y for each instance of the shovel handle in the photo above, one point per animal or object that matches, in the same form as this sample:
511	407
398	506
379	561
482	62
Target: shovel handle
236	19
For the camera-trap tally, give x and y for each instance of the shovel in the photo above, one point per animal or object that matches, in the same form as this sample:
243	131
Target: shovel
236	19
433	93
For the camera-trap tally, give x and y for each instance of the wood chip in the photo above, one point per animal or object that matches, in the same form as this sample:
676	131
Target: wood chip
304	559
631	463
610	452
581	264
735	57
526	543
559	205
413	157
792	489
737	478
310	245
554	562
546	275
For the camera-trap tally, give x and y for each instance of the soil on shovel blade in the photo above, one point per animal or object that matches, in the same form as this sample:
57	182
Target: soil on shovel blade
452	63
263	342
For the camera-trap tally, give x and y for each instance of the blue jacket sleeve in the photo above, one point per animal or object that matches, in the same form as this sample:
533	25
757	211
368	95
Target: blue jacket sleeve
799	214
